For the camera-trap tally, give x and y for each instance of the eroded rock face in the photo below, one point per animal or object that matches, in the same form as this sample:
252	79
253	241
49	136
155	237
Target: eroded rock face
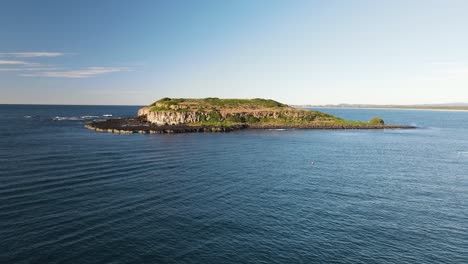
163	117
169	117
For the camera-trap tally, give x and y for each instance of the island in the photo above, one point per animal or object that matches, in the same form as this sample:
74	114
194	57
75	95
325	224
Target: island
182	115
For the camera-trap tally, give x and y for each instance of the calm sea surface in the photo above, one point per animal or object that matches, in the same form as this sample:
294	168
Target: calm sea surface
71	195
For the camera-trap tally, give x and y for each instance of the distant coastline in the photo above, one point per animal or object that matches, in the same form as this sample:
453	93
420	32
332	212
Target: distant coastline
461	108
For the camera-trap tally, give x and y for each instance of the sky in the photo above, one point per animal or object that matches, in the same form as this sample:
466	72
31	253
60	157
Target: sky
297	52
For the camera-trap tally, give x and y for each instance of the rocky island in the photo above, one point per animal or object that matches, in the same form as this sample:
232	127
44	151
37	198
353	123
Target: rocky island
169	115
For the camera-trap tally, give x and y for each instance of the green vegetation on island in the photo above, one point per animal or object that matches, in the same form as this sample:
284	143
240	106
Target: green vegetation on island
376	121
256	113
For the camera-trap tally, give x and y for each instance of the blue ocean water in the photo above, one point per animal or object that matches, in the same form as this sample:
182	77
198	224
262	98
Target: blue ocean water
71	195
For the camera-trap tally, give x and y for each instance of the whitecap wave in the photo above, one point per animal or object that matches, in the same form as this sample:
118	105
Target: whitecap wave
67	118
80	118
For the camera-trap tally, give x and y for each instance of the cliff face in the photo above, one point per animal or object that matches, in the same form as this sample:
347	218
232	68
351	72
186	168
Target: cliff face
169	117
175	117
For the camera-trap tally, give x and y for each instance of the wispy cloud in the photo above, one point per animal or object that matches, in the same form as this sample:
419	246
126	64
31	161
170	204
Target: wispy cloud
16	62
42	69
10	69
31	54
19	62
30	69
85	73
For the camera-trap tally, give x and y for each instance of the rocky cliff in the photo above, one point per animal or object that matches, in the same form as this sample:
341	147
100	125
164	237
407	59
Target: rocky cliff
186	111
169	117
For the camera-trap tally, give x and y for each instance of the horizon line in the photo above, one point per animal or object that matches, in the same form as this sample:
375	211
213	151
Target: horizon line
307	104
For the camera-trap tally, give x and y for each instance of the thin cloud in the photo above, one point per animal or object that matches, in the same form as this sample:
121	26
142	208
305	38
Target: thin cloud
10	69
31	54
29	69
42	69
16	62
85	73
34	69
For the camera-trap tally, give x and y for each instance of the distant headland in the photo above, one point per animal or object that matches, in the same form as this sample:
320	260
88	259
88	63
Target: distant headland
441	107
181	115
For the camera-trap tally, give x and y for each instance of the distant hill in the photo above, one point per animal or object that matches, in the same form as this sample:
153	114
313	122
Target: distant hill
447	106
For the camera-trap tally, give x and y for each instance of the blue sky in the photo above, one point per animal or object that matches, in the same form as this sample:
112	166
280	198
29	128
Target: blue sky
297	52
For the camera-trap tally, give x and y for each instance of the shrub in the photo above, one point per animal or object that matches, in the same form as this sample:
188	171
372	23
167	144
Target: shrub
252	119
236	118
376	121
159	108
215	116
309	117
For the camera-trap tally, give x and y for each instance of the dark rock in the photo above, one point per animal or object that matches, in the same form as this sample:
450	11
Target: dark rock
140	125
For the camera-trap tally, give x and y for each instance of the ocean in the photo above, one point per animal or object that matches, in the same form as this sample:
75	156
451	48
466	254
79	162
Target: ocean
72	195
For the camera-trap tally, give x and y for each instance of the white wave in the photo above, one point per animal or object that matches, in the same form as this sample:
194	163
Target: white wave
75	118
27	116
66	118
78	118
107	115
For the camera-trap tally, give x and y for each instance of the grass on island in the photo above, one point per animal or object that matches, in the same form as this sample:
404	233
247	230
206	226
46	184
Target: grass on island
317	118
213	102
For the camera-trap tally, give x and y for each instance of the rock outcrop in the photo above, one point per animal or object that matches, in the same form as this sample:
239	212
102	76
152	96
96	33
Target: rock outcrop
186	111
169	117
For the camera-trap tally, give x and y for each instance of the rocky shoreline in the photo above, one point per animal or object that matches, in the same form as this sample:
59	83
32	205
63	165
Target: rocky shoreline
140	125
